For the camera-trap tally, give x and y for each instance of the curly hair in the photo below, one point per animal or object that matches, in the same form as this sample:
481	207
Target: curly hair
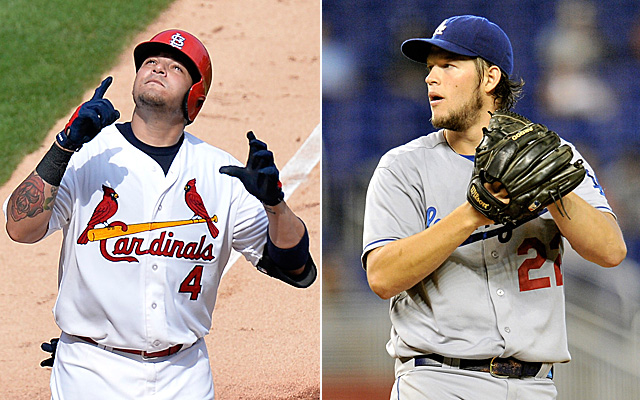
507	92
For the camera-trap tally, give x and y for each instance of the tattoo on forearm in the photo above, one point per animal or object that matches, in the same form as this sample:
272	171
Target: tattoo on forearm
48	202
28	199
269	209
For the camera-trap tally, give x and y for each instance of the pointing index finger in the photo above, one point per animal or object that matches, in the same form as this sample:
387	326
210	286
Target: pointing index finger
254	143
102	89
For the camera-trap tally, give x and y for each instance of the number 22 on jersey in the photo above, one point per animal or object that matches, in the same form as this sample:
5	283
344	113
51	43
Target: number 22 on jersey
526	282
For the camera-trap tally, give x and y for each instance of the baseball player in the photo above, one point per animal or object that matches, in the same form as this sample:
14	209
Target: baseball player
150	215
477	308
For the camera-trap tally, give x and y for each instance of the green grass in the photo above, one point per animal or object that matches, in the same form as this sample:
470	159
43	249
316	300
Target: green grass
51	52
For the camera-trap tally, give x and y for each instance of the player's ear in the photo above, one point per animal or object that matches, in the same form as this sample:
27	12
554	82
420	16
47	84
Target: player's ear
491	78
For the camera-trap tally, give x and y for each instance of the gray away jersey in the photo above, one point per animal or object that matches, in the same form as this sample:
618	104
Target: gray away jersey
500	293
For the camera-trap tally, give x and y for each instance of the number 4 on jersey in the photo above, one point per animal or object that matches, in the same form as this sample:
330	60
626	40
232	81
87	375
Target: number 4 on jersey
191	283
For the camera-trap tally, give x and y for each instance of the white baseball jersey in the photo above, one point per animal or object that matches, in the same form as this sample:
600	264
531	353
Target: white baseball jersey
150	281
500	293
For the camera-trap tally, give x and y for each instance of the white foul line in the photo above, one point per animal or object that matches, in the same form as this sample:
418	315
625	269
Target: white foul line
300	165
294	173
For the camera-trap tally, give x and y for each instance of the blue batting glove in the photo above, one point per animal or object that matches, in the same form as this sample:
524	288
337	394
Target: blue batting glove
88	120
260	177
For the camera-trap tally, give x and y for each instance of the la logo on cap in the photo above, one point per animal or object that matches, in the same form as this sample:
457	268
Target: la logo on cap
440	29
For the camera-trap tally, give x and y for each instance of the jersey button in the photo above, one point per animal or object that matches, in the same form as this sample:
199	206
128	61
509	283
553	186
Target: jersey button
154	267
156	343
500	292
494	254
507	329
154	305
160	207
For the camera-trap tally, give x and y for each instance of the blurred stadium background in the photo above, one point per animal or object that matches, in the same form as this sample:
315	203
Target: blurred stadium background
581	64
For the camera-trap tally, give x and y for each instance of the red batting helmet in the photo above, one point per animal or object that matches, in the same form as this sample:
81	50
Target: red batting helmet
190	52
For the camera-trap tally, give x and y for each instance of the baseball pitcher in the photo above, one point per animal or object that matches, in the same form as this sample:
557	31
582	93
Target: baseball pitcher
464	229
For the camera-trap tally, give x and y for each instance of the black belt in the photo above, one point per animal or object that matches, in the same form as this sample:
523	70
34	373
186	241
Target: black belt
499	367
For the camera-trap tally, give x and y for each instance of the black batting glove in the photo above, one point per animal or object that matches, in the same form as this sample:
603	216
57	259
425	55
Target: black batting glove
88	120
49	348
260	177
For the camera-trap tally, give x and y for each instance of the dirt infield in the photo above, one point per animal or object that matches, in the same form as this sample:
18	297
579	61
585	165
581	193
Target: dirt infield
265	339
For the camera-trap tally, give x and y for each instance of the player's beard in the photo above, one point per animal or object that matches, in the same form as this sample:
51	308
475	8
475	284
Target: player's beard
463	117
151	101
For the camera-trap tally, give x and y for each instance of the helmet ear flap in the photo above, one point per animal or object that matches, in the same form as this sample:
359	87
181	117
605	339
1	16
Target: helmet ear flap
193	101
185	108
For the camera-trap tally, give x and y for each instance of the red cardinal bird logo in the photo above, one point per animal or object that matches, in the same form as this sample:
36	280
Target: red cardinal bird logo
105	210
195	203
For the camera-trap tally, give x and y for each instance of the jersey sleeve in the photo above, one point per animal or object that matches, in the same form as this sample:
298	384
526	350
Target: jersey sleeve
393	210
589	189
251	226
62	208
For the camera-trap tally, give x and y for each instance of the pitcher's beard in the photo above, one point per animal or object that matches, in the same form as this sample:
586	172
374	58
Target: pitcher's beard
463	118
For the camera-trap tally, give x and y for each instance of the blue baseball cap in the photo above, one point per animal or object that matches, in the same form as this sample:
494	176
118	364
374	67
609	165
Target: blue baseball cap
467	35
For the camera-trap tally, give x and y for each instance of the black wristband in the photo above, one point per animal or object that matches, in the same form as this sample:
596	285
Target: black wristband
53	165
